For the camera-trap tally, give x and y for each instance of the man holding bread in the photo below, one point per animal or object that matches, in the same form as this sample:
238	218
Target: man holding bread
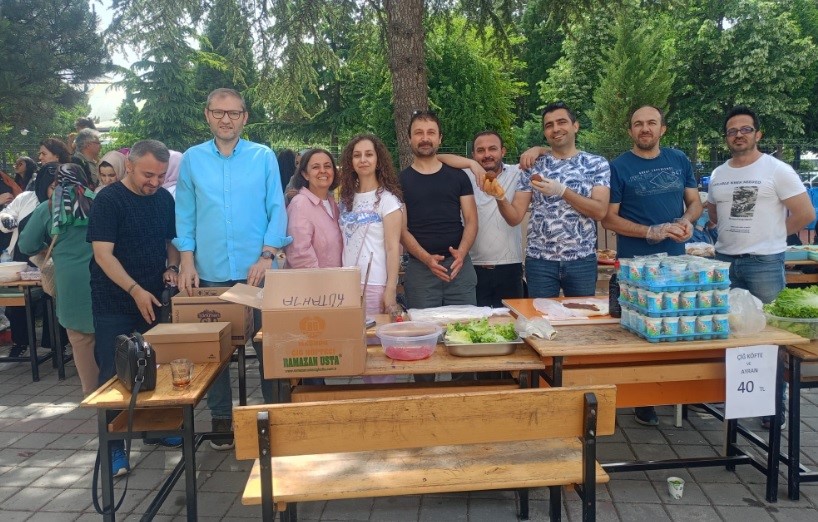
569	191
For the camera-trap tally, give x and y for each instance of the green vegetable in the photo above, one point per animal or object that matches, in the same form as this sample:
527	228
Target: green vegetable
795	302
479	331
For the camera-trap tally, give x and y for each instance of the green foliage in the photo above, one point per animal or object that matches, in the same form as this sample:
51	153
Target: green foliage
49	51
635	72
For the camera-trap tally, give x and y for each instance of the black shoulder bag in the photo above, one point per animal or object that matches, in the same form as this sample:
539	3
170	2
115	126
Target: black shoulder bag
136	369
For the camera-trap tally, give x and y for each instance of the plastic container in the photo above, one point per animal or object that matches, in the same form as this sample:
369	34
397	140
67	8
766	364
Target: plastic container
807	328
409	340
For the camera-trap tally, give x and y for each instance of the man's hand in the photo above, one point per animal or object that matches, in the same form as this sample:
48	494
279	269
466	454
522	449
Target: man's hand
6	198
479	174
687	228
658	233
188	277
9	222
256	273
170	277
549	187
530	156
433	263
144	302
457	264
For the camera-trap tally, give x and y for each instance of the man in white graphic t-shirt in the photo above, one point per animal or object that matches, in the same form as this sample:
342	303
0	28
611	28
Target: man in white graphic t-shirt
756	201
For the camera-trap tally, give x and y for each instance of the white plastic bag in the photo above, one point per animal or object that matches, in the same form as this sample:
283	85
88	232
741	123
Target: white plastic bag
537	327
746	314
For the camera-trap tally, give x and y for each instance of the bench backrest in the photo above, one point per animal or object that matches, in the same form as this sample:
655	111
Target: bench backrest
422	420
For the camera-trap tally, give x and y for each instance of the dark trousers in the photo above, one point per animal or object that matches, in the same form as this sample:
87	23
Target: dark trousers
498	282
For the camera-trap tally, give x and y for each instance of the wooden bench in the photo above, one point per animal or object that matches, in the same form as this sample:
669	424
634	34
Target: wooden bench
421	444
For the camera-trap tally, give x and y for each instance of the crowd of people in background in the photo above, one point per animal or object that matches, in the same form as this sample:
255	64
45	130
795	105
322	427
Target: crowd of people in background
116	229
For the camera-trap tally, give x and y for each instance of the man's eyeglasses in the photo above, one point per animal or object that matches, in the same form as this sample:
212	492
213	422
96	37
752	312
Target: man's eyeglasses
219	114
732	133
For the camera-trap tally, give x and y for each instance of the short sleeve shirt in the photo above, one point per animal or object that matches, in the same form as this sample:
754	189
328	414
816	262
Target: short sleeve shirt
363	231
557	231
139	227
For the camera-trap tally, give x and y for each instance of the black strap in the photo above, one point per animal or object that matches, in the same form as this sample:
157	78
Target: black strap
142	363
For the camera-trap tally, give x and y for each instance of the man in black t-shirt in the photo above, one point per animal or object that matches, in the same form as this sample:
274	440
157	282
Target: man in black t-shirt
131	226
441	223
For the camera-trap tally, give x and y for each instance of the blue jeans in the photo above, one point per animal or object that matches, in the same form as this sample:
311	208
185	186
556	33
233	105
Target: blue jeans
762	276
576	278
220	395
107	327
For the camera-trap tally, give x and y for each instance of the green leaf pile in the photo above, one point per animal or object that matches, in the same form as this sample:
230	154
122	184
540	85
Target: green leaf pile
799	303
479	331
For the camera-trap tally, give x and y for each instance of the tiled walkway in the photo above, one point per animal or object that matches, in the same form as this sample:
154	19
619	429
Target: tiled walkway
48	446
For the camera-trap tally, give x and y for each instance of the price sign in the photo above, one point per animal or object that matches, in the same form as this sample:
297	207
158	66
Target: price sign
750	381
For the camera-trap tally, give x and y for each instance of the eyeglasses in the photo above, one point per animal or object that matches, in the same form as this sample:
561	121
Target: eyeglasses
732	133
219	114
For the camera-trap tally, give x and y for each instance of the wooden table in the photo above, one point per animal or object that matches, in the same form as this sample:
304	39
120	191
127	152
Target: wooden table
652	374
23	298
796	473
796	276
162	412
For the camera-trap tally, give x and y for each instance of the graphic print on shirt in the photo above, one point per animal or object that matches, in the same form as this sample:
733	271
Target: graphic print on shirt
658	181
744	202
353	222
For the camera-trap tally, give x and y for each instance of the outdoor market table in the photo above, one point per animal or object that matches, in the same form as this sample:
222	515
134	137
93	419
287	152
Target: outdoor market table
796	473
162	412
652	374
23	298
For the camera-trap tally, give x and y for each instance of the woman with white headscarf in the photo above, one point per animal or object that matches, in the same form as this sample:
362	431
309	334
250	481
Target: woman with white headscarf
173	172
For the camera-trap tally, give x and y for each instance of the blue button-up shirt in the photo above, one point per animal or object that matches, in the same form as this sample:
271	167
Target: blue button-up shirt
228	208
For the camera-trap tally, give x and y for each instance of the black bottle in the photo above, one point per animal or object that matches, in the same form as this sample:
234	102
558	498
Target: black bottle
614	308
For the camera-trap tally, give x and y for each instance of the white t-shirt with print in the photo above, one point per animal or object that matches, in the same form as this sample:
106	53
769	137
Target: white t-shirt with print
496	243
749	205
362	229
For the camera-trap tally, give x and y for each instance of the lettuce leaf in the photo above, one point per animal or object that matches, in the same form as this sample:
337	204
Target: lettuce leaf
479	331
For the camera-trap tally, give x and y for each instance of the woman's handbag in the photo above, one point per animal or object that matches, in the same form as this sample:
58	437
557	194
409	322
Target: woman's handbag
135	363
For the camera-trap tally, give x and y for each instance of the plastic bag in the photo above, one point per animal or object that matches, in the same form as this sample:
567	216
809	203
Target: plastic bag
537	327
453	313
746	314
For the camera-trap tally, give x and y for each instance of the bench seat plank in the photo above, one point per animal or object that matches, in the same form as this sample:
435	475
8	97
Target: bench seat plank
419	471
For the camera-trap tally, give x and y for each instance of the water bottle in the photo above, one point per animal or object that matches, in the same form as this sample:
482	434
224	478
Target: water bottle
5	257
614	308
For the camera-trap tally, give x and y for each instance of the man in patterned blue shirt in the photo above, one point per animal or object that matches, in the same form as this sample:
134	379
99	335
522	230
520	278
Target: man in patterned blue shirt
570	190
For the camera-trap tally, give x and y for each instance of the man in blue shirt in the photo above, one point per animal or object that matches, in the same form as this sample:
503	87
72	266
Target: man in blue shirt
654	200
230	223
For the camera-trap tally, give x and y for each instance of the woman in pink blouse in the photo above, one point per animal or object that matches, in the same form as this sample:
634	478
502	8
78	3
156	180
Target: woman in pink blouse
312	216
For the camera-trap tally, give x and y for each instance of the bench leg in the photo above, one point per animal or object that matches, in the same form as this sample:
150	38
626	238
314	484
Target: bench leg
290	514
555	503
523	503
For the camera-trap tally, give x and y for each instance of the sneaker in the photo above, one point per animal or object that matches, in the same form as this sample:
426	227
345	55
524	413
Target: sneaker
225	442
18	350
646	416
765	422
119	463
168	442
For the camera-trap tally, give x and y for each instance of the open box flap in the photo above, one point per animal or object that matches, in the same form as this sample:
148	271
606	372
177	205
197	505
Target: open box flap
244	294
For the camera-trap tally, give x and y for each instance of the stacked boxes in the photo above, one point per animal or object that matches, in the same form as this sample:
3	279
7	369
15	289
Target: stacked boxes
675	298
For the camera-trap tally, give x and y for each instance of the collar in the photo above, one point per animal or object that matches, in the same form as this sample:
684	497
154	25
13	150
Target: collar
86	158
315	200
239	146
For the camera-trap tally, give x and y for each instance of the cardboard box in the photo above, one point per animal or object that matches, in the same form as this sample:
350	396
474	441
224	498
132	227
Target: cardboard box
204	306
199	342
312	320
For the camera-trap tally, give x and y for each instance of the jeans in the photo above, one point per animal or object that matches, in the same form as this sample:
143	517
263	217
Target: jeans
762	276
498	282
576	278
220	395
107	327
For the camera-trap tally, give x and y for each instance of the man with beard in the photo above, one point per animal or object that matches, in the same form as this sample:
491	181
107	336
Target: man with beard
756	201
569	189
440	271
654	200
497	250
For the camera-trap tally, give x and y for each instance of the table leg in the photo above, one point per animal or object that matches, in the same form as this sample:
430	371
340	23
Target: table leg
189	454
774	451
56	350
32	337
794	419
105	466
242	376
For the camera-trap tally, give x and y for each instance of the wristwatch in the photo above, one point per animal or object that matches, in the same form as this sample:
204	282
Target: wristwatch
267	254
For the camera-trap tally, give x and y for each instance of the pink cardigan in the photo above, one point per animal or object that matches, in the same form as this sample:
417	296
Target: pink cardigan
317	241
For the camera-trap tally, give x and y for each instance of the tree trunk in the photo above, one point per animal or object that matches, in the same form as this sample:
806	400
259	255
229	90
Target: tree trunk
404	44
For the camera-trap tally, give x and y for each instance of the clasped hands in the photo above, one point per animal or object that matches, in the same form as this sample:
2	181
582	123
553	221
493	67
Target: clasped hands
679	231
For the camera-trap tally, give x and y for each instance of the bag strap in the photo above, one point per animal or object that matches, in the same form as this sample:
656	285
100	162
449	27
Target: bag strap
141	363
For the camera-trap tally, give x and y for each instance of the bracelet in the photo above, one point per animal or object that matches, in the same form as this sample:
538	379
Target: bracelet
172	268
130	288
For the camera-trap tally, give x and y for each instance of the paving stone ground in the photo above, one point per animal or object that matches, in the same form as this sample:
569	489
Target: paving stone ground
48	445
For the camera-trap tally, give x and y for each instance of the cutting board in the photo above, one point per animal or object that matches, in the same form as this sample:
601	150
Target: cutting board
525	307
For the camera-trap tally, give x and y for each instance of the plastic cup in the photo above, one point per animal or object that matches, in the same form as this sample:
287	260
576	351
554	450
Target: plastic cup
635	269
653	301
687	300
182	372
653	326
625	292
721	272
687	325
721	324
670	301
704	324
721	298
624	269
652	271
676	487
704	299
670	326
642	297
